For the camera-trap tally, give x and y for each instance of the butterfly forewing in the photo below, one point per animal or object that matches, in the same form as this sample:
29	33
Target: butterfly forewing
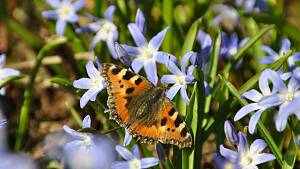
144	109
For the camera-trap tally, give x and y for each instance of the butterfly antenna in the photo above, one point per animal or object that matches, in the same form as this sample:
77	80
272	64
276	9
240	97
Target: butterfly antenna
112	130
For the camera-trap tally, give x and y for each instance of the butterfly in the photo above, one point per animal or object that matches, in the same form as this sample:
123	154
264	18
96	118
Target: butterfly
141	107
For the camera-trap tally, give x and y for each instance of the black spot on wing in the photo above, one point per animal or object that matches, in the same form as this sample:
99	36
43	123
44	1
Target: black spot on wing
138	81
128	75
178	121
172	111
129	90
184	132
163	121
115	70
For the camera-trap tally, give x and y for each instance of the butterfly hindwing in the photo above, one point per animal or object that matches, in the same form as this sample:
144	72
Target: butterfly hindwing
169	129
144	109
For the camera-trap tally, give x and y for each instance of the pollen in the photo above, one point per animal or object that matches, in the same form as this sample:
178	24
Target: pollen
135	164
65	11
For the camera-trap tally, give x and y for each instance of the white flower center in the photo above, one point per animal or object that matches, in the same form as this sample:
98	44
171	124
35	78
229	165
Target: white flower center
106	28
87	141
245	160
146	53
232	51
180	79
64	11
135	164
289	96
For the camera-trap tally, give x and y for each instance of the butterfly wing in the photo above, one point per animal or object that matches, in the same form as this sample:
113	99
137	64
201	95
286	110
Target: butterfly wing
122	83
144	109
169	129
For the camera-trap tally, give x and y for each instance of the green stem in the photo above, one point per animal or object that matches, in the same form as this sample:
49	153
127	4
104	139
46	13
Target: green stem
24	116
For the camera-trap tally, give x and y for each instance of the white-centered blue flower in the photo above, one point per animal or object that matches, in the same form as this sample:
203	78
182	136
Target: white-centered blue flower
87	150
133	159
94	84
273	56
6	72
146	54
230	45
247	157
64	12
105	30
227	16
180	78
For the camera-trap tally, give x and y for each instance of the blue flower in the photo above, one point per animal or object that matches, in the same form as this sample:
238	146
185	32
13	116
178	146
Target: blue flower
230	133
273	56
3	122
246	157
105	30
64	11
252	6
127	138
146	54
179	79
230	45
16	161
95	83
94	151
6	72
228	17
133	159
261	101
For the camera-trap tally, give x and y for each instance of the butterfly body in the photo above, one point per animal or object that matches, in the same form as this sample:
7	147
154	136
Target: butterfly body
144	109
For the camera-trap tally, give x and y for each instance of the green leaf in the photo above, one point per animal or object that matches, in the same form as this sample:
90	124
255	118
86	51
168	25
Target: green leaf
24	115
190	37
9	79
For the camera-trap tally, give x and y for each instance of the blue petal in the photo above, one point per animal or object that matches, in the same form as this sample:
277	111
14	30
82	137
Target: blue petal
184	94
110	44
73	18
3	122
151	71
86	123
293	85
54	3
230	133
262	158
172	91
257	146
137	65
92	72
285	45
140	21
156	41
122	54
168	79
126	154
173	68
266	60
88	95
131	50
254	120
98	37
246	110
243	143
50	14
78	5
127	138
243	42
136	151
73	133
204	39
60	27
228	154
108	14
165	58
269	51
149	162
83	83
270	101
253	95
185	59
233	42
120	165
137	35
7	72
2	60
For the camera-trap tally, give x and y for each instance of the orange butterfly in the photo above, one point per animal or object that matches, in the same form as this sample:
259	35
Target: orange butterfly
144	109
